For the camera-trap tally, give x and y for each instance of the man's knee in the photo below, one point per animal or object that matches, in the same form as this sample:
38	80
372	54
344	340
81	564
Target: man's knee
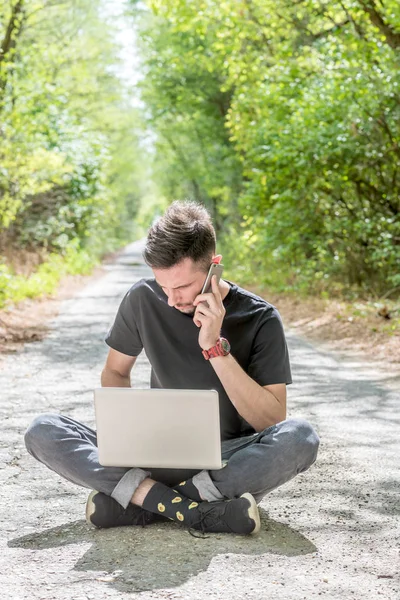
300	440
40	432
306	442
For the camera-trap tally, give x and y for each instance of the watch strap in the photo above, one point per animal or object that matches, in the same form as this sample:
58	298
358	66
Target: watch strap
217	350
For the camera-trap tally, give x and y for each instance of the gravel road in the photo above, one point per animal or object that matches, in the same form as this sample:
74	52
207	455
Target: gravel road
332	531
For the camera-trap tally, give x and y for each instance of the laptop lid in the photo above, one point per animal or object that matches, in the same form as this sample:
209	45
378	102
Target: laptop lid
158	428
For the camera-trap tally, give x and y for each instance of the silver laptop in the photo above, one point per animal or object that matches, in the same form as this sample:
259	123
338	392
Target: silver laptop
158	428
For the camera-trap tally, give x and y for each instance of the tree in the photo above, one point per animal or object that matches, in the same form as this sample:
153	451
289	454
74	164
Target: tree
62	112
311	115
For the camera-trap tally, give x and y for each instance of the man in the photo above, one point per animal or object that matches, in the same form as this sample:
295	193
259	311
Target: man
229	340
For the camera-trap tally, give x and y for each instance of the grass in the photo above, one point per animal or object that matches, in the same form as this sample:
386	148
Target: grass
45	280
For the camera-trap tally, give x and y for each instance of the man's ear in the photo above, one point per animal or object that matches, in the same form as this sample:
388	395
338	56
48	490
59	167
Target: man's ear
217	259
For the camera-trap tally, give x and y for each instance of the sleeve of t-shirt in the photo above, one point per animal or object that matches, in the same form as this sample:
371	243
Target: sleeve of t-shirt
269	361
124	335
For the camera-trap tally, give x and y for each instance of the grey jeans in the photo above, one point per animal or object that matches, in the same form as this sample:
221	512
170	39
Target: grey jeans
256	463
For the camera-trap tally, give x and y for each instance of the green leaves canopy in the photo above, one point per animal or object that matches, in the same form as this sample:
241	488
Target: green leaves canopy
305	145
63	111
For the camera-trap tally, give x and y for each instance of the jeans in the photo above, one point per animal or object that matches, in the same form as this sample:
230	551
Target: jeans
257	463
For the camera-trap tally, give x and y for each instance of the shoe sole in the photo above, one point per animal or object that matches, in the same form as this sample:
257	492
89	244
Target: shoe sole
90	508
253	512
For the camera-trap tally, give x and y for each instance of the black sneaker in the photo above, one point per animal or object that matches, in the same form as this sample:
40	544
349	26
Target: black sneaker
103	511
239	515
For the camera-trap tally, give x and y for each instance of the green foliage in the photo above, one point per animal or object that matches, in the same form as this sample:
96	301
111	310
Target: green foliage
70	162
73	261
186	107
285	118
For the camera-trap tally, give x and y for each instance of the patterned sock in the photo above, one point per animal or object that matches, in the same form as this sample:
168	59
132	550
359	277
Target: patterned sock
188	489
165	501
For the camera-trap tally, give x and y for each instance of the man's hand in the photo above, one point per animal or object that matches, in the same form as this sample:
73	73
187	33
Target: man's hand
209	314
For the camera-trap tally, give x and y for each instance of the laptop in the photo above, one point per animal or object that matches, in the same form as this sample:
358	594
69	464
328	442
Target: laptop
158	428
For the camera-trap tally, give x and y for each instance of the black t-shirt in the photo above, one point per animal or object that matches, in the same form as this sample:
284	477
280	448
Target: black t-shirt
170	339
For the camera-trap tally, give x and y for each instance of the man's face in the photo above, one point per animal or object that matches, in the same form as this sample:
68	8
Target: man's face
181	283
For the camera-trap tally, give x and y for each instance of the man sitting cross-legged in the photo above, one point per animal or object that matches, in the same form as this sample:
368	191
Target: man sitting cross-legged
227	339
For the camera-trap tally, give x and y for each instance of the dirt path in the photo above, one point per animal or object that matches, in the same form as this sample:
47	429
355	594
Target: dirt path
331	532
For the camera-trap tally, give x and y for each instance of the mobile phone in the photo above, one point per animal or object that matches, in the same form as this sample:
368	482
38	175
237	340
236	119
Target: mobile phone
215	269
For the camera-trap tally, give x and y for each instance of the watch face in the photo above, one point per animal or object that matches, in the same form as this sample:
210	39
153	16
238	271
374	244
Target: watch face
225	345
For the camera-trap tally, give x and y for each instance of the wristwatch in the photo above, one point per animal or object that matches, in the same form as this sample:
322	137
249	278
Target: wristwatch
221	348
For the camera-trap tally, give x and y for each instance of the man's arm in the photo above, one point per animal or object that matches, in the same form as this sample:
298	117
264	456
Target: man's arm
261	406
117	370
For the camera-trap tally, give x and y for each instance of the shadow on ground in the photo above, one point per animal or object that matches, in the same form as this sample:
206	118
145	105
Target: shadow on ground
161	555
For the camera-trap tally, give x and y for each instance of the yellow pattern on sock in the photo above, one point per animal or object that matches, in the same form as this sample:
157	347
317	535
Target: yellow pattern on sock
177	499
179	516
182	483
161	507
193	505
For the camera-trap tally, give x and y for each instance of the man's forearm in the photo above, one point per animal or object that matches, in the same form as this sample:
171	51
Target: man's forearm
111	378
256	405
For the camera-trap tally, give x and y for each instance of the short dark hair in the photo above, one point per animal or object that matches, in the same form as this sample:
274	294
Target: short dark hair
184	231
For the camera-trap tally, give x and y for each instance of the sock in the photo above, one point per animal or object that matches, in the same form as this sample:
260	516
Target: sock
188	489
165	501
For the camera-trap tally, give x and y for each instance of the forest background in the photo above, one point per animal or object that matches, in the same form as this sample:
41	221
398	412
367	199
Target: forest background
282	117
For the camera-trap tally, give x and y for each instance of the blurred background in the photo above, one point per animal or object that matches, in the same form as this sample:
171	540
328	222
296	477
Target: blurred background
281	116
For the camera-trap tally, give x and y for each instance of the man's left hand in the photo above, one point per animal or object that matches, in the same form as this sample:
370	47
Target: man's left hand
209	315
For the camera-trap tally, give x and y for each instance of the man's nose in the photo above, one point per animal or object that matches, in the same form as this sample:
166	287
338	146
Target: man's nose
172	298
